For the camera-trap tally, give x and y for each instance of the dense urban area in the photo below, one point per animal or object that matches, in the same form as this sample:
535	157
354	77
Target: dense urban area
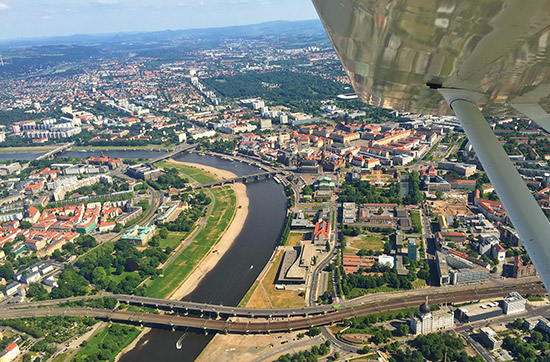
383	208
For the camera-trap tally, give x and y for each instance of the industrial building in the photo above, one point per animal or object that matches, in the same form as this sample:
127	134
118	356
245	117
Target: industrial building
479	311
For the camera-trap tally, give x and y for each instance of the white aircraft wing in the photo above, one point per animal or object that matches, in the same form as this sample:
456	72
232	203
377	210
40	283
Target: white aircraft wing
477	56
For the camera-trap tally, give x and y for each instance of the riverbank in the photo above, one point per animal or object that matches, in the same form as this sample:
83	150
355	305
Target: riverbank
132	344
227	239
124	148
205	265
28	149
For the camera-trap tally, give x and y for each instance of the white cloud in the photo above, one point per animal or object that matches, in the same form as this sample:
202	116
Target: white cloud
107	2
4	6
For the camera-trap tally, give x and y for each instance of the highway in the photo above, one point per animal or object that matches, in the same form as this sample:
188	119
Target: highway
260	321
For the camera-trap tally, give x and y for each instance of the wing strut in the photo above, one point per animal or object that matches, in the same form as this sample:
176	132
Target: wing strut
524	212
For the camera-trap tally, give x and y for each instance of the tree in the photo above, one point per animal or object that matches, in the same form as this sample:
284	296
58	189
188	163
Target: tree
25	224
163	233
99	278
439	194
387	247
403	329
314	331
37	291
306	190
56	255
327	246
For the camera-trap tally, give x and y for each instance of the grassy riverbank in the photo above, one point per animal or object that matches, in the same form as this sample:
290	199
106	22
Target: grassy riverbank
175	273
193	172
124	148
107	344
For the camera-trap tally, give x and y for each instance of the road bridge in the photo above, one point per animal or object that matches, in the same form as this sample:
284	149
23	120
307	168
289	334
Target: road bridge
58	150
243	179
260	322
177	150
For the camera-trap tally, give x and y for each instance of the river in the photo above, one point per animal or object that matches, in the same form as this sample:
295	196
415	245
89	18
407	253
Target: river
229	281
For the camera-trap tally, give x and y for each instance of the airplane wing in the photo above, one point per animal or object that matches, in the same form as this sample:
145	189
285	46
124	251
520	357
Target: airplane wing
475	56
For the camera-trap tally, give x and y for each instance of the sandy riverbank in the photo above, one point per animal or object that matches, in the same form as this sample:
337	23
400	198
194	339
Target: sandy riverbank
210	261
229	236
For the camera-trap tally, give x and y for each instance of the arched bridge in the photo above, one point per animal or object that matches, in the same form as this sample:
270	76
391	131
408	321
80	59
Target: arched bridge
243	179
264	324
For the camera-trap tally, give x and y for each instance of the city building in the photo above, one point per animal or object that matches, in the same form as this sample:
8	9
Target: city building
520	270
144	172
139	235
10	352
412	250
348	212
489	338
425	321
87	225
513	303
321	234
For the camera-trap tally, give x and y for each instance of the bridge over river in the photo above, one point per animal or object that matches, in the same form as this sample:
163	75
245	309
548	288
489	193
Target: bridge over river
243	179
255	321
176	151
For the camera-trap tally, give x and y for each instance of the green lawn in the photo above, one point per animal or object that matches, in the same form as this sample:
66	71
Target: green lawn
175	273
61	357
114	148
193	172
118	278
173	240
29	149
357	292
416	223
369	242
248	294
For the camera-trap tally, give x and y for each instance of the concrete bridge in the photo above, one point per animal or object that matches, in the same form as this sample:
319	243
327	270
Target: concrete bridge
276	320
177	150
58	150
243	179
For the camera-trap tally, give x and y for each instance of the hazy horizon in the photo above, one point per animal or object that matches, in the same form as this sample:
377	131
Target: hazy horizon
39	19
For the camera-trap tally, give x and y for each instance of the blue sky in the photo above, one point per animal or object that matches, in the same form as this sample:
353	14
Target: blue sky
43	18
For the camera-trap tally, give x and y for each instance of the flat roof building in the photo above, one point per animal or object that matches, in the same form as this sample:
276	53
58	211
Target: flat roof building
513	303
478	311
489	338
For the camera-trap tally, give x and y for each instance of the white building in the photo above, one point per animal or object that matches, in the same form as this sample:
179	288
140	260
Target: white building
10	352
513	303
425	321
11	289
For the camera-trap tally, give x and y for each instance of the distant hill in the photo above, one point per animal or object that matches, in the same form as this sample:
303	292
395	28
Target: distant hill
273	28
